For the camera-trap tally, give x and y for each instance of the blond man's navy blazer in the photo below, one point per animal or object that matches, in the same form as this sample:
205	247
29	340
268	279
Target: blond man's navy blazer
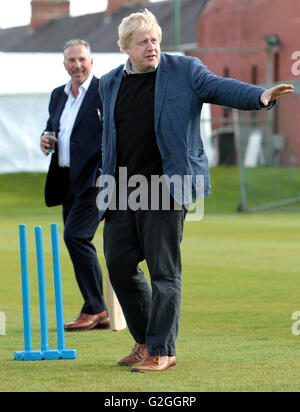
183	85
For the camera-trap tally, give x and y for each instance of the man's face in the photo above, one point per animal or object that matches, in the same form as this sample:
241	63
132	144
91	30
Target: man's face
144	51
78	63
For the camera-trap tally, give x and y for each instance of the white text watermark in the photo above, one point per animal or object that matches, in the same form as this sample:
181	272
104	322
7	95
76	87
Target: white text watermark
139	193
296	65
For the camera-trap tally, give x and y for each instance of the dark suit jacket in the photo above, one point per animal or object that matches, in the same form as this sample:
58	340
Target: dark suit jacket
85	144
183	84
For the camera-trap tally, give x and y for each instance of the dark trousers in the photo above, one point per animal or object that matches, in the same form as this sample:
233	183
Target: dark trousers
152	314
81	219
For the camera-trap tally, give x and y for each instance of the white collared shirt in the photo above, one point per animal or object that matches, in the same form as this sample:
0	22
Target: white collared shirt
67	120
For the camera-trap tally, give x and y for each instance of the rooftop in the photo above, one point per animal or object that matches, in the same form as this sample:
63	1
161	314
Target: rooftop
100	32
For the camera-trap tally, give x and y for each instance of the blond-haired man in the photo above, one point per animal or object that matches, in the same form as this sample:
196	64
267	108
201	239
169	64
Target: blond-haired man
152	109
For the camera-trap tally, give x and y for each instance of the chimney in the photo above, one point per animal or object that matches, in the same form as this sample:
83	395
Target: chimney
114	6
43	11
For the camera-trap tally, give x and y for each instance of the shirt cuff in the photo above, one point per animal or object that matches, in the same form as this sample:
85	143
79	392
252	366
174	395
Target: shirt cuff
270	105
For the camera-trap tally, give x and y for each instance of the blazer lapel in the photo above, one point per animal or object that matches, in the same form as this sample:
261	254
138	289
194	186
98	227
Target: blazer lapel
88	100
160	88
59	109
115	87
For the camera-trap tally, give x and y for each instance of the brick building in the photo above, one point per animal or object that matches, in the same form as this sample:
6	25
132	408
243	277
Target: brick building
240	28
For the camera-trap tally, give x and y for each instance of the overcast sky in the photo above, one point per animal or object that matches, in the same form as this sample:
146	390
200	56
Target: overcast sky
18	12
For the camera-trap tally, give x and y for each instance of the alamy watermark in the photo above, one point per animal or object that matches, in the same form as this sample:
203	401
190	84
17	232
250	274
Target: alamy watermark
139	193
296	65
296	324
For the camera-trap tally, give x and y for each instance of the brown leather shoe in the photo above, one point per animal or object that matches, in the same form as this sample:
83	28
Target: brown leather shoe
156	364
87	322
138	354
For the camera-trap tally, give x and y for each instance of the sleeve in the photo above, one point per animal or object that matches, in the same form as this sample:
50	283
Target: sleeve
101	94
224	91
49	125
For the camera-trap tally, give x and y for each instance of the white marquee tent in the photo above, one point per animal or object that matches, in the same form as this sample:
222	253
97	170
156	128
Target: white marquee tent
27	80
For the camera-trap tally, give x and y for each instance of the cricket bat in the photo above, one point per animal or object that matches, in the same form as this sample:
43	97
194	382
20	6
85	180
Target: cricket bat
116	316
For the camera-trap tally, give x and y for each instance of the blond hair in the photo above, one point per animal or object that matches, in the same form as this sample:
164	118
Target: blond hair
140	23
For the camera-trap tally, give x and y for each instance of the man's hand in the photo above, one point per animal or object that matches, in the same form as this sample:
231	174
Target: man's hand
275	92
44	144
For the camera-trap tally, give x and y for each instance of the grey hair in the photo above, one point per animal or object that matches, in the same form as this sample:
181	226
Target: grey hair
76	42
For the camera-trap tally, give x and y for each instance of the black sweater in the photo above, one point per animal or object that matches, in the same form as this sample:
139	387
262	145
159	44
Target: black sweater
134	117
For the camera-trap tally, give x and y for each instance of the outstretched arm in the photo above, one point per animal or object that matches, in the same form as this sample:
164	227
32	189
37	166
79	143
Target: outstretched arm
272	94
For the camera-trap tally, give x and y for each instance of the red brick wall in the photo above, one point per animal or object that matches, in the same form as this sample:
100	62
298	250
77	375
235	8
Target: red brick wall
115	5
45	10
243	24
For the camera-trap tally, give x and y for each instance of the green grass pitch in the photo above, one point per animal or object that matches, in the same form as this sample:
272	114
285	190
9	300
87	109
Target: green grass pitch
240	288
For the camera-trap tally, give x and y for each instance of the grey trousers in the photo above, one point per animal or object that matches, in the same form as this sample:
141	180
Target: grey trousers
152	313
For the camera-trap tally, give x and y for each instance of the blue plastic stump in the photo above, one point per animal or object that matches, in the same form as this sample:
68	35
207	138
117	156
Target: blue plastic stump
66	353
44	354
25	294
42	289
